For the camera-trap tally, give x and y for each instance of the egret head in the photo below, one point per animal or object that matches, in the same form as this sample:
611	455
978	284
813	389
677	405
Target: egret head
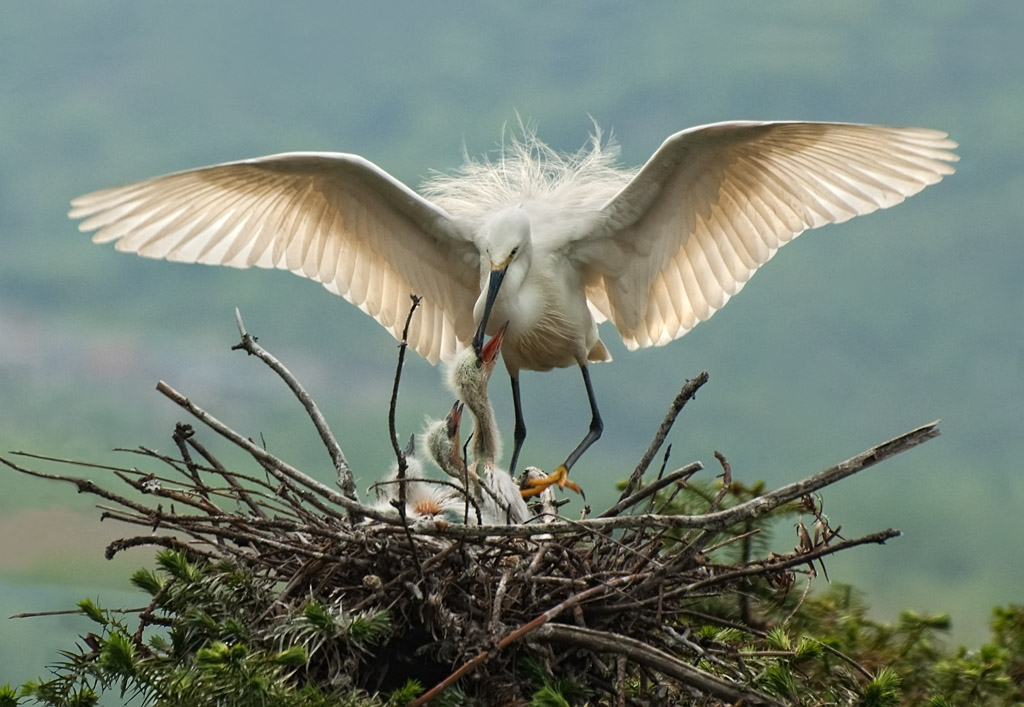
472	369
468	376
443	444
504	244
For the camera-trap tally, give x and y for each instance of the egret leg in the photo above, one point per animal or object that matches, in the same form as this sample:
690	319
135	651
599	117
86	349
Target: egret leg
560	475
596	423
520	431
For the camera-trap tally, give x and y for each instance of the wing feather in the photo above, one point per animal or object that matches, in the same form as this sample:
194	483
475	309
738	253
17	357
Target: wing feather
331	217
715	203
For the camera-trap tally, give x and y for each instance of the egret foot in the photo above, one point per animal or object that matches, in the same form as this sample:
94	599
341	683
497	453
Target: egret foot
559	476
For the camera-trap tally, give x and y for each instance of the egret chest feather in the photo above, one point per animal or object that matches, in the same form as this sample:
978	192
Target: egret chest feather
546	328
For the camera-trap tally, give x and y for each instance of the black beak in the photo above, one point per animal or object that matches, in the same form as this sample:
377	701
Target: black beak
493	285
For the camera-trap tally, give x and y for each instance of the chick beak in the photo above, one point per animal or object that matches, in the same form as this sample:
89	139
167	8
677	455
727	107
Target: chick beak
489	353
453	419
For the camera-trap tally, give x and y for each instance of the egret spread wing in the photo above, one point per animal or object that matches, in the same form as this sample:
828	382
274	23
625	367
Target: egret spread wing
334	218
715	203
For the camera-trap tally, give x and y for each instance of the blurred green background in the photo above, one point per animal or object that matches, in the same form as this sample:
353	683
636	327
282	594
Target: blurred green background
852	335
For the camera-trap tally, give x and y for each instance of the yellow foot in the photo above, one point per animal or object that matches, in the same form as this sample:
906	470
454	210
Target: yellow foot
559	476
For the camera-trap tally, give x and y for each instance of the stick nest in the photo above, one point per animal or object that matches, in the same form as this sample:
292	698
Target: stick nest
666	597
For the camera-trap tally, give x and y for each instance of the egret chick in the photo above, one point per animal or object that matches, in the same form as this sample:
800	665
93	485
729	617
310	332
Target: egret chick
468	377
442	442
550	244
423	500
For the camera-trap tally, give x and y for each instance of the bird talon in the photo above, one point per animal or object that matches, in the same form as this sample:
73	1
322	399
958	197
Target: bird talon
559	477
572	485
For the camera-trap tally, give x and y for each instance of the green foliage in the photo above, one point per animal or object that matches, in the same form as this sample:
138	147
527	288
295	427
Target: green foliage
224	645
823	648
8	696
908	662
549	696
147	580
406	693
91	610
883	690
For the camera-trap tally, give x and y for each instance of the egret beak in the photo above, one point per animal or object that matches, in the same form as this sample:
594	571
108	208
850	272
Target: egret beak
493	285
489	353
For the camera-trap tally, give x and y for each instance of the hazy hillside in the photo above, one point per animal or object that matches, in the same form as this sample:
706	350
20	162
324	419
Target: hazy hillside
851	335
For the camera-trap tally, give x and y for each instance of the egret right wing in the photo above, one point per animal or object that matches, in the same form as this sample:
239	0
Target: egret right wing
715	203
335	218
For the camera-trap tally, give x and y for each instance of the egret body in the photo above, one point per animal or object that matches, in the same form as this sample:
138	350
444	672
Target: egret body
548	243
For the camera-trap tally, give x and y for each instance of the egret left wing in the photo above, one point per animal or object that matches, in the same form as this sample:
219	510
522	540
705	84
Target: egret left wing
335	218
714	204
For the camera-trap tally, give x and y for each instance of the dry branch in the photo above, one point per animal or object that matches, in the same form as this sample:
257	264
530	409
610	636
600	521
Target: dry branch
688	391
346	481
643	653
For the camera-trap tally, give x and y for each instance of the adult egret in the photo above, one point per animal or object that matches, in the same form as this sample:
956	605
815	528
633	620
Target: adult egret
469	375
550	244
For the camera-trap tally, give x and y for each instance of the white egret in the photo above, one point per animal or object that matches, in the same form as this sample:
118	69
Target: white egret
469	375
548	243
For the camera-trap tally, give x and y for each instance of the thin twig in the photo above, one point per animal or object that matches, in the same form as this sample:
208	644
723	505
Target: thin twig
181	433
399	454
726	481
238	488
684	473
346	481
402	346
687	392
787	561
264	456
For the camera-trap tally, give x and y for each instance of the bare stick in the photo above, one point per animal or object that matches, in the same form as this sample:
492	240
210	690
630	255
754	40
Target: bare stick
684	473
393	407
402	346
399	454
689	389
754	508
267	458
644	654
83	485
787	561
726	480
345	479
235	484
